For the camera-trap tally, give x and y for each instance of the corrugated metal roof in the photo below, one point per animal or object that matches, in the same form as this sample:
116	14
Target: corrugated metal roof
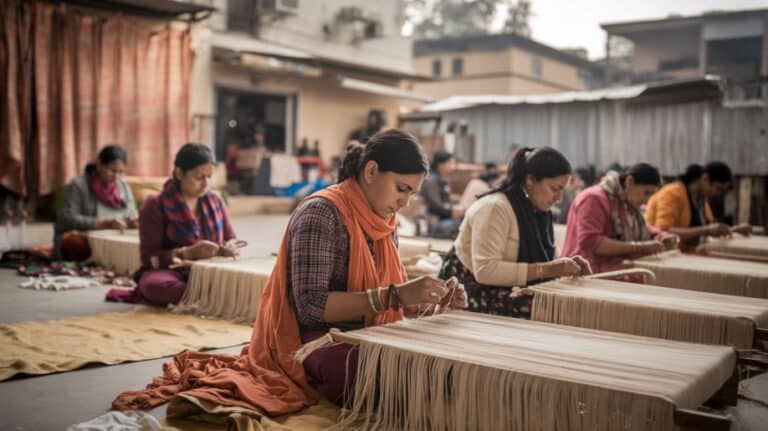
460	102
613	93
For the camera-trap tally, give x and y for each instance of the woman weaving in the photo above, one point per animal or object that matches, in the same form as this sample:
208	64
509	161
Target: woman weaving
338	266
681	207
99	199
186	221
605	224
506	240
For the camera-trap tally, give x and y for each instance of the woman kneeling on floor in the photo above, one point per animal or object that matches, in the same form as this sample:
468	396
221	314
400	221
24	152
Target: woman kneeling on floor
339	267
98	199
605	224
506	240
186	221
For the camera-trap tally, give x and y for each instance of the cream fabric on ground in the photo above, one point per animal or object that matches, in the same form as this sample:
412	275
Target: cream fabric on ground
192	414
58	282
739	247
112	338
466	370
119	421
226	289
708	274
115	250
652	311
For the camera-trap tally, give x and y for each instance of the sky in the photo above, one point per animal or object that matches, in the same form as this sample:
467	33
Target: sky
576	23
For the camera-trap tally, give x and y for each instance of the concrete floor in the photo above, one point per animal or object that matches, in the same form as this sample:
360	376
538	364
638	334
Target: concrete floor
55	401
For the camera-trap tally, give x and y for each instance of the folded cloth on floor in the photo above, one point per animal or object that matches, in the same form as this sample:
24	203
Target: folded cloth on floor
119	421
58	282
111	338
193	414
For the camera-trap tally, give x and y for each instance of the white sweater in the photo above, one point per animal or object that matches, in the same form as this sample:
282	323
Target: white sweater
488	243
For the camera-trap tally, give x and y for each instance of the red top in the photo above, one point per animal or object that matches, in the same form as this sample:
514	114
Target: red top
589	221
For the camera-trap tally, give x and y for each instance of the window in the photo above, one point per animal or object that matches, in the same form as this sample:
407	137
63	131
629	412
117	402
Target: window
536	66
437	67
241	16
737	59
458	66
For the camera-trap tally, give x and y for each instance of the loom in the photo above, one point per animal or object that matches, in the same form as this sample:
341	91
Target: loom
413	246
652	311
412	249
225	288
707	274
753	248
463	370
116	250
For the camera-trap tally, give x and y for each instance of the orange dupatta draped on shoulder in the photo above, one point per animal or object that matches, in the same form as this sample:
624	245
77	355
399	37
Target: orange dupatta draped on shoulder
266	378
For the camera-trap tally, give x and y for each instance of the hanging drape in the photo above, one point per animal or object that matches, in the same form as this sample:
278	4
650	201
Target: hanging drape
77	82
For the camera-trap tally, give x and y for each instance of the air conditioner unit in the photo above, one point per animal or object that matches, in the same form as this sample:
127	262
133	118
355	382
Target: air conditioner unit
282	7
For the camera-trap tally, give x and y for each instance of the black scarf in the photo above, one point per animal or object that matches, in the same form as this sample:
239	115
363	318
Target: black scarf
537	235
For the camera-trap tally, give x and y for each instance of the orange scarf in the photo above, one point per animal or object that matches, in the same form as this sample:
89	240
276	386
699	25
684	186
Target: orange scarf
266	377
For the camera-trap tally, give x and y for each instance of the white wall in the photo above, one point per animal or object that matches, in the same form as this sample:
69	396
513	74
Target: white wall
304	31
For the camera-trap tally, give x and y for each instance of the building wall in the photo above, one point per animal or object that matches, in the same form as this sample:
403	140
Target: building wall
475	63
324	110
654	48
304	31
497	72
555	75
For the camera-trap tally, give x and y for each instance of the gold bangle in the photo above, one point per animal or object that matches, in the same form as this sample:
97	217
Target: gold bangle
377	299
539	270
370	300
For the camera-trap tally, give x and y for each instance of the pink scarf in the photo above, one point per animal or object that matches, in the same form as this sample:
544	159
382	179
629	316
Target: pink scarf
106	193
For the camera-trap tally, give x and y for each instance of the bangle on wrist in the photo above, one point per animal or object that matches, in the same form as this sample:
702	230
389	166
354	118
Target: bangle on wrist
369	292
398	301
379	302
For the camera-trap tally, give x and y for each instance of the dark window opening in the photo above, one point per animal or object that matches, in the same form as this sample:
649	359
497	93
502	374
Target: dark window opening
247	126
437	67
735	59
458	66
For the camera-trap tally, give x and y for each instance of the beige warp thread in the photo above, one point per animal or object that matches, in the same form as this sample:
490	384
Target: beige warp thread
652	311
225	288
754	248
461	370
708	274
115	250
420	246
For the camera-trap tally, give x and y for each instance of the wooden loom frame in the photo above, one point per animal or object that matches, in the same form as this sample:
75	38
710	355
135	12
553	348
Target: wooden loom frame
759	334
686	419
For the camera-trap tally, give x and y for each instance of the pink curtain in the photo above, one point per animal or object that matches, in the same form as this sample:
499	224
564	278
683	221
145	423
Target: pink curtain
100	80
15	88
